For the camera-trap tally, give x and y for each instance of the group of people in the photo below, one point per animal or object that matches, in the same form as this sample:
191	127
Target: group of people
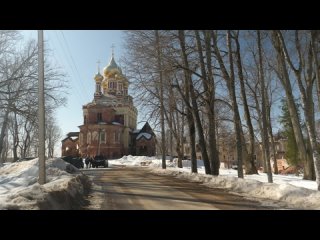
88	161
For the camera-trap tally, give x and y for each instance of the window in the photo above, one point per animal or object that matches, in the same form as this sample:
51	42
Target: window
85	119
99	117
94	136
120	86
119	118
103	137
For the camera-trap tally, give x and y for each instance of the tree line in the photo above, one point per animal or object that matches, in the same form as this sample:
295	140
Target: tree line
215	86
19	97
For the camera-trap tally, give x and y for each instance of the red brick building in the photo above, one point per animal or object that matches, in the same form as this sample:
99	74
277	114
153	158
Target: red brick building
144	141
70	145
110	120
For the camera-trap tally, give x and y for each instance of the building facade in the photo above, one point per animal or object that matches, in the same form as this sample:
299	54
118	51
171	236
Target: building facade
110	120
144	141
70	145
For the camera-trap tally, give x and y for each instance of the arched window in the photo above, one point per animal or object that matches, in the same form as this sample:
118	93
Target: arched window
85	119
103	137
99	117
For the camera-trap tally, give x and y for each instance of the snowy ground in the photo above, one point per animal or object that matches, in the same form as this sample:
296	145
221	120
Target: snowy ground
291	190
19	188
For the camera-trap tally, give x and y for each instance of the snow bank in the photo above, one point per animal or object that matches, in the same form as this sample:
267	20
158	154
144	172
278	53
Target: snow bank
289	191
293	196
19	188
131	161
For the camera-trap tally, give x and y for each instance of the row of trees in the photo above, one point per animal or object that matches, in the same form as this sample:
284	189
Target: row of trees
19	97
210	81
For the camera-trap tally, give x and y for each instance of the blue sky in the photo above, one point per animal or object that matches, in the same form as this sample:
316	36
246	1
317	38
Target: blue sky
77	52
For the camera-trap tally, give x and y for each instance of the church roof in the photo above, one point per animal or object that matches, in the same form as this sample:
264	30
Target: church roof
145	135
147	129
112	65
73	134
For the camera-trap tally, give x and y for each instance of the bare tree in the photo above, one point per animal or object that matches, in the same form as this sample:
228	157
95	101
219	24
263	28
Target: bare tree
195	107
209	97
53	135
18	88
265	138
250	167
283	74
229	78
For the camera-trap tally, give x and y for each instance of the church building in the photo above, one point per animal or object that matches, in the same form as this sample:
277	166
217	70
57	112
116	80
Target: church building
110	120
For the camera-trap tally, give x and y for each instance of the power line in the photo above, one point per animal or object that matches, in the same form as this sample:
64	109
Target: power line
75	85
75	65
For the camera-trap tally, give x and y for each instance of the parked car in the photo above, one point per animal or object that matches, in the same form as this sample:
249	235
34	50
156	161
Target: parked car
99	161
75	161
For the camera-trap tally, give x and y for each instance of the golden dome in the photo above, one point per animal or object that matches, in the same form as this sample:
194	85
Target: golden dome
111	68
98	77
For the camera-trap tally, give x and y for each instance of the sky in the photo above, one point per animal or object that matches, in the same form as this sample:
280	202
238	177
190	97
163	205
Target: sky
19	188
77	53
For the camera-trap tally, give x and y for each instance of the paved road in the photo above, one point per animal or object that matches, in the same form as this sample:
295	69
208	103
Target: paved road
137	189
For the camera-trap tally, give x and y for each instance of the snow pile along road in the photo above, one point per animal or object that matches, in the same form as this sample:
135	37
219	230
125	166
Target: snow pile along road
19	188
289	191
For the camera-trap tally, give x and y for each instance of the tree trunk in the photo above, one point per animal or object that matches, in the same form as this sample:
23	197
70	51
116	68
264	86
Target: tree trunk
195	108
209	88
285	81
15	138
250	167
192	132
3	129
236	115
314	45
163	137
265	139
232	93
268	109
181	138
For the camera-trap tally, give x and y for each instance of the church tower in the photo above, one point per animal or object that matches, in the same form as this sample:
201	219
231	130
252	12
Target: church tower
111	117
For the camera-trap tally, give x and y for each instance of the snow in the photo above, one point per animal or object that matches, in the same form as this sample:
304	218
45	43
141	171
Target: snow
287	190
116	123
19	188
146	135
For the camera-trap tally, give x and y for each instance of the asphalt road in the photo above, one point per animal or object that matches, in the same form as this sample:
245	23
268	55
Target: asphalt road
137	189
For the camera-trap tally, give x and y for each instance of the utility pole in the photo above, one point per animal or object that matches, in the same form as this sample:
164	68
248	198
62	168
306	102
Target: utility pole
41	150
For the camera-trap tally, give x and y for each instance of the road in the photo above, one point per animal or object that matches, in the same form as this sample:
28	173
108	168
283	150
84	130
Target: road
137	189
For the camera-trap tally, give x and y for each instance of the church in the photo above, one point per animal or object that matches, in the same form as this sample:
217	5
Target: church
110	121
